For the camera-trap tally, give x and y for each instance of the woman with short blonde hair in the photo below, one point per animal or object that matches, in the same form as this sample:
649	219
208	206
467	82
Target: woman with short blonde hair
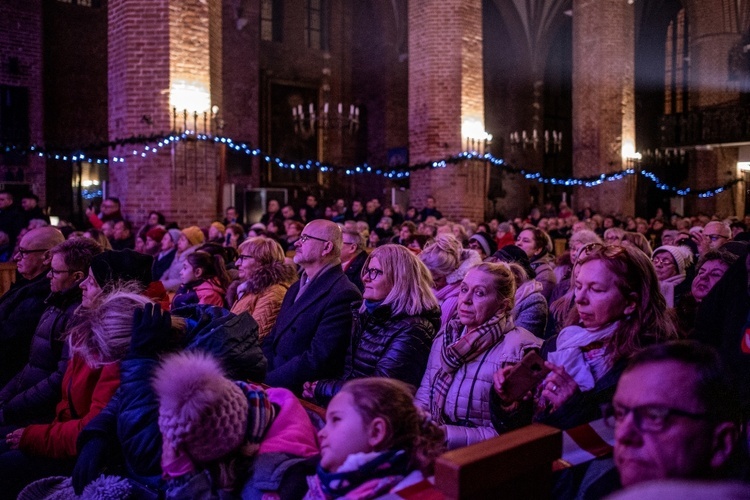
392	330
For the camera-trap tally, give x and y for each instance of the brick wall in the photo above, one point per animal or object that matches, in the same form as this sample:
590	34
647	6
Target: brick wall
148	56
445	87
603	100
21	38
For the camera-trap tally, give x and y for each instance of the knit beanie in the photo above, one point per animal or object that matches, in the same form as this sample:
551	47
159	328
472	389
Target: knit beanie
174	234
156	233
194	235
204	413
122	265
681	255
488	244
512	253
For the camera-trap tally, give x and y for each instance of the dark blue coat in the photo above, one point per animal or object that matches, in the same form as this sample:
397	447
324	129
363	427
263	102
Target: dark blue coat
310	337
20	310
131	417
31	396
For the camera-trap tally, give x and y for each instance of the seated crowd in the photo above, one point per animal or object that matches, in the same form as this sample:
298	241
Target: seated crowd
167	362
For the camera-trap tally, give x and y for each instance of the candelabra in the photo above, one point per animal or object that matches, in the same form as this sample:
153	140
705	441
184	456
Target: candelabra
552	140
306	124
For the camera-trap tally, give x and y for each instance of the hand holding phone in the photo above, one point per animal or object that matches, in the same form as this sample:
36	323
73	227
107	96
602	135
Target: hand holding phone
523	377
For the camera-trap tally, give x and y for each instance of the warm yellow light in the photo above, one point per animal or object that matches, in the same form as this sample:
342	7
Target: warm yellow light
472	128
629	152
744	166
189	96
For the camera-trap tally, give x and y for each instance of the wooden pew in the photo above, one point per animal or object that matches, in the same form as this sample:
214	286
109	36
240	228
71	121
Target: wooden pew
515	465
7	276
560	244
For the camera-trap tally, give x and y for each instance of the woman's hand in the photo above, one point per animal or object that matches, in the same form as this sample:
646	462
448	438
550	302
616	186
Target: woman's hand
498	381
14	438
558	387
308	389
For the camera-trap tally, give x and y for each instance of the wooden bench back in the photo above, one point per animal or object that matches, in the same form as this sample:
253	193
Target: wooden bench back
7	276
515	465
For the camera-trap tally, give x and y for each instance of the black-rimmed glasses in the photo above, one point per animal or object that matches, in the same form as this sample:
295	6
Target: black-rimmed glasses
23	252
57	272
647	418
242	257
303	238
371	273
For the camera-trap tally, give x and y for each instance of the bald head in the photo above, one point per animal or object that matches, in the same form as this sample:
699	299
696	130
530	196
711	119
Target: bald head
32	256
327	230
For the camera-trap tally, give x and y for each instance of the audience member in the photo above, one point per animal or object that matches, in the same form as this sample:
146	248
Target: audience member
188	242
314	348
448	264
203	280
167	252
110	212
538	247
393	329
353	256
480	340
22	305
31	209
264	281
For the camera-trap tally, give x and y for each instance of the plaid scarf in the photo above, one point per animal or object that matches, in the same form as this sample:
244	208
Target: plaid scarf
458	350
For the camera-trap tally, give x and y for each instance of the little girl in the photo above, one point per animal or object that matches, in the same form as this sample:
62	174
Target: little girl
375	441
204	281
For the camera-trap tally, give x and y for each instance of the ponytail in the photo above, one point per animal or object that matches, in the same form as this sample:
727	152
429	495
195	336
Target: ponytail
409	428
211	265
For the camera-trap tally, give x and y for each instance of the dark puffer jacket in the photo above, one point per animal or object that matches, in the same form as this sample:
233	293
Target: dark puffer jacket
130	421
31	396
20	310
383	345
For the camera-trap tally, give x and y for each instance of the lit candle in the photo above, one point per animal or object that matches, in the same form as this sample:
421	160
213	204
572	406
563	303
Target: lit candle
340	108
351	109
312	109
325	108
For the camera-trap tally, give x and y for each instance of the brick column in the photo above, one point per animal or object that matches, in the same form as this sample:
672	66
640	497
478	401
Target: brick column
158	61
713	34
21	62
446	87
603	100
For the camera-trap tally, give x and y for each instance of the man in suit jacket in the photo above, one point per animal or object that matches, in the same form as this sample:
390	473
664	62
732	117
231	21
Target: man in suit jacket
311	334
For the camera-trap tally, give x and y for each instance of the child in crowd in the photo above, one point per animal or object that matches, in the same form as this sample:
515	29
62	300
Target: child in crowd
375	441
204	281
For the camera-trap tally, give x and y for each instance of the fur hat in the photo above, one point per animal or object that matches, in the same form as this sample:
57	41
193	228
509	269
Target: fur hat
512	253
122	265
194	235
156	233
681	255
486	242
203	412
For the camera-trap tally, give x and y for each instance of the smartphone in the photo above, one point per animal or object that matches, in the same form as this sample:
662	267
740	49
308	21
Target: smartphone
524	376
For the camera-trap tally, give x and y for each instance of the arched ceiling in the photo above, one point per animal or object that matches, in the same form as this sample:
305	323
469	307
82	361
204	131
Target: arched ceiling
533	24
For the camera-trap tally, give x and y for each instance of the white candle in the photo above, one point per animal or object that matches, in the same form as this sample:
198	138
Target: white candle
325	108
340	108
351	109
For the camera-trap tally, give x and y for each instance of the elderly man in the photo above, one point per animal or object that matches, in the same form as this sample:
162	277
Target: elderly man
311	334
23	305
353	256
714	235
31	395
675	416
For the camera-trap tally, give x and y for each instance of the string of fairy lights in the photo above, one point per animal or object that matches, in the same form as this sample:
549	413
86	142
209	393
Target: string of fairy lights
143	146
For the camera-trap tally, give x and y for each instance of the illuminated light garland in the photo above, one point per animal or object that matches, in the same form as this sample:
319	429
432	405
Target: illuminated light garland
398	172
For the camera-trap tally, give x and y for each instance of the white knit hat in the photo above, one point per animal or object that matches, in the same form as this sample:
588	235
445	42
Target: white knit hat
681	255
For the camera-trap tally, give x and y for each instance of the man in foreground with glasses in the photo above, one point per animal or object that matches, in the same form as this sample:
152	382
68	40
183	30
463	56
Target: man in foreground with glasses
311	334
675	416
22	305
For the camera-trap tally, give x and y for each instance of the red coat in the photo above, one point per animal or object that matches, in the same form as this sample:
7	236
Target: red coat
85	392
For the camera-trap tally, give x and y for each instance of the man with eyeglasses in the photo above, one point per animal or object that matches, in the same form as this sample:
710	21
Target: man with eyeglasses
675	416
110	211
23	304
31	395
311	334
714	235
353	256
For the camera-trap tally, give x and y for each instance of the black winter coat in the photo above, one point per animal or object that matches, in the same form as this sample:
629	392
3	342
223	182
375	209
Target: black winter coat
20	310
130	421
31	396
354	271
383	345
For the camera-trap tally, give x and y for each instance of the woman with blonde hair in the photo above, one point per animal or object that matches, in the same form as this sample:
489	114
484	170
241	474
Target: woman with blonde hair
477	342
448	262
265	279
392	330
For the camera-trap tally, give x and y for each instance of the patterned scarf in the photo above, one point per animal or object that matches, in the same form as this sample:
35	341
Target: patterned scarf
458	350
363	476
